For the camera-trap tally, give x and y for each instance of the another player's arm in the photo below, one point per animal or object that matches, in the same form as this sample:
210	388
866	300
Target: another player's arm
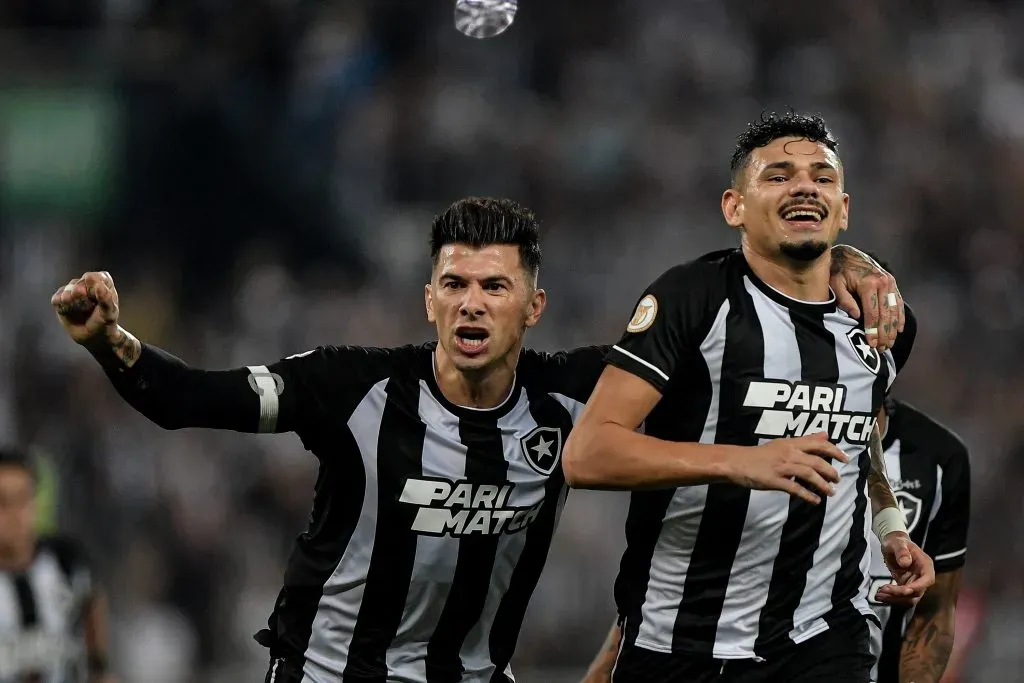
605	451
97	638
881	493
929	637
600	670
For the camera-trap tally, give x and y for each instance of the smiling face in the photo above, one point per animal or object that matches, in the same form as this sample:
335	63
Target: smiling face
789	199
482	301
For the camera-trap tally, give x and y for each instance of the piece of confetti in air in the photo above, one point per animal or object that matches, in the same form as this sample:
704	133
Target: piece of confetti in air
484	18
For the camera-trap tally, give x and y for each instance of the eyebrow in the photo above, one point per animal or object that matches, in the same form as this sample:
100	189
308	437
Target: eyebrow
790	166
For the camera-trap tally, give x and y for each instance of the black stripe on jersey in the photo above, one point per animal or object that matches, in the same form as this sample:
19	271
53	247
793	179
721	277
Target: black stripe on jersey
508	620
850	577
26	601
892	644
643	528
337	500
725	509
394	547
802	529
485	464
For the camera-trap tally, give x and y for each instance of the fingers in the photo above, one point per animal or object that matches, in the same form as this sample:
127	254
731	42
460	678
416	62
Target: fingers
82	295
818	481
845	300
819	445
794	489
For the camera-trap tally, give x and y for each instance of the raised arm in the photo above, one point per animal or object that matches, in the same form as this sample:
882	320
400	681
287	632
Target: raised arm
275	398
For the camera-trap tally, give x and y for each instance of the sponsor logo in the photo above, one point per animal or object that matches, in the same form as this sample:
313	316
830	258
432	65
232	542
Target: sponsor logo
463	508
791	409
643	316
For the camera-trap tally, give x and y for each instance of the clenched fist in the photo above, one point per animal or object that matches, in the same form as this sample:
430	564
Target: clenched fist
87	308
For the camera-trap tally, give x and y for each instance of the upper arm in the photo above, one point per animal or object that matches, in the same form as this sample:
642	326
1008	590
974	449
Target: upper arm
947	533
621	398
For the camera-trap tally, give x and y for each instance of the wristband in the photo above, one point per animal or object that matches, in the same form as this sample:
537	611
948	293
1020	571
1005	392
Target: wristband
886	521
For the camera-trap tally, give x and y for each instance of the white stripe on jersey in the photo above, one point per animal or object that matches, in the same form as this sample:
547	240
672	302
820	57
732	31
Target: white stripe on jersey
767	511
266	387
343	592
640	360
669	561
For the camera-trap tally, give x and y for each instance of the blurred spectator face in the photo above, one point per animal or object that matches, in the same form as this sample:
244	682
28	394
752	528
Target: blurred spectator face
17	508
482	301
790	199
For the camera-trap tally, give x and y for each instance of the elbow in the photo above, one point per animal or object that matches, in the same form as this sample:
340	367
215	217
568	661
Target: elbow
577	463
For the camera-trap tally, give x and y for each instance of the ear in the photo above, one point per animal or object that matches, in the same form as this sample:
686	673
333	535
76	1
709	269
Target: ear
844	220
428	300
732	207
537	303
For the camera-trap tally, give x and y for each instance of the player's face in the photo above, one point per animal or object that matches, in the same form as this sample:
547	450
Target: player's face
17	506
482	301
790	200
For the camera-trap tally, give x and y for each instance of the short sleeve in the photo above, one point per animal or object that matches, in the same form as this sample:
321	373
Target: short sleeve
667	323
573	373
298	392
947	534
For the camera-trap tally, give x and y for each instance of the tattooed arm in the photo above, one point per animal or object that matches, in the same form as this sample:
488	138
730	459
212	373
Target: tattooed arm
929	637
879	490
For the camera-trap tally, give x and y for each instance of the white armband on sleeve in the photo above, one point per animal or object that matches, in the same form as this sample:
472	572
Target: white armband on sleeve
888	520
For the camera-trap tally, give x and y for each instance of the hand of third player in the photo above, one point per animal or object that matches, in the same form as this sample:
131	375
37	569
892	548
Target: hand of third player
799	466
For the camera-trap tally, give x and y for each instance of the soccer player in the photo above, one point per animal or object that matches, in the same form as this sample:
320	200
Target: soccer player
929	470
742	357
53	617
440	479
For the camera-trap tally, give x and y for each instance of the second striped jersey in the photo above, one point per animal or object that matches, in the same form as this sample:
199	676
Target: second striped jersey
720	570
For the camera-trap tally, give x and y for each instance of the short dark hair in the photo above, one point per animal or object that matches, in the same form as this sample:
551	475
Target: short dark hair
13	457
479	221
772	126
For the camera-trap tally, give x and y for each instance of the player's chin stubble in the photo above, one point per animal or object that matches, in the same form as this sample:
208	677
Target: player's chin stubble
804	251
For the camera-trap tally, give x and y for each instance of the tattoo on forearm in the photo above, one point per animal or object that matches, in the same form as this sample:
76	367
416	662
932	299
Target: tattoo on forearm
926	649
881	493
116	353
126	347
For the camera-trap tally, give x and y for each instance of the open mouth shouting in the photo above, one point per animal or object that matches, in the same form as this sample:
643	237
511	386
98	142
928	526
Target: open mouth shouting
471	340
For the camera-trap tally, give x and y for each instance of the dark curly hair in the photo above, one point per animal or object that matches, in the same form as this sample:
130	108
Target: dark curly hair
772	126
479	221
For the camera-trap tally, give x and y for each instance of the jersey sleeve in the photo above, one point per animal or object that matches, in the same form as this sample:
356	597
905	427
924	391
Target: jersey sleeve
287	395
904	343
665	324
574	373
947	534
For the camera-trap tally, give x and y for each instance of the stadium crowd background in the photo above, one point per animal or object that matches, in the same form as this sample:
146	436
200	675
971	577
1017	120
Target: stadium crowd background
259	176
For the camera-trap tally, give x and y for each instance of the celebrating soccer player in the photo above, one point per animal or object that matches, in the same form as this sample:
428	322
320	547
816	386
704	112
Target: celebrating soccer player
440	478
742	370
53	617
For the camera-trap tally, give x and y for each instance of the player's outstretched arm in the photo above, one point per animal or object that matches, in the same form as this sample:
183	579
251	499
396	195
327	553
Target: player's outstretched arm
163	388
929	637
605	451
600	670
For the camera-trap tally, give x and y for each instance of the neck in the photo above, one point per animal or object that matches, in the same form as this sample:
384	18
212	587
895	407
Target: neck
16	557
805	281
481	389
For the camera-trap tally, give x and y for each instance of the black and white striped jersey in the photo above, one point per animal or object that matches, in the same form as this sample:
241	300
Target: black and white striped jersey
720	570
930	472
41	616
431	522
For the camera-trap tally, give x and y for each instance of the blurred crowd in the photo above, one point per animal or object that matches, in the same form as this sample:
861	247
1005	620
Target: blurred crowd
259	178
